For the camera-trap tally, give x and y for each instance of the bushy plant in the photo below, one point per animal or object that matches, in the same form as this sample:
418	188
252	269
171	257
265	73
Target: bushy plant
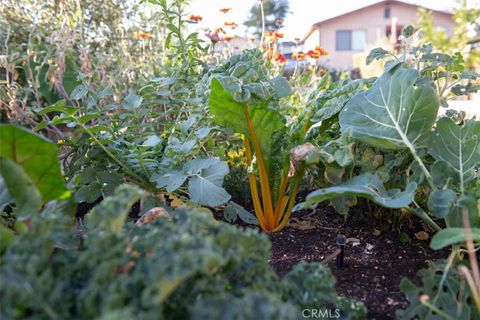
183	265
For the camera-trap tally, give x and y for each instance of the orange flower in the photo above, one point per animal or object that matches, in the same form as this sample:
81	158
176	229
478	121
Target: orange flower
142	35
278	35
268	34
298	56
317	52
220	30
232	24
228	38
225	10
195	18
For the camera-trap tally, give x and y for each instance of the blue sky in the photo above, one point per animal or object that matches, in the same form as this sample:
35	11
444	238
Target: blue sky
303	12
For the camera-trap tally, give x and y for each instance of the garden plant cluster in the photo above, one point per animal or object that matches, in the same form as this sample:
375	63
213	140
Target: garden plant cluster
119	157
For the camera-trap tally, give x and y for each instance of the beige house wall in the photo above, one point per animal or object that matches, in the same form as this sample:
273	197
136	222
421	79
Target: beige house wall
372	20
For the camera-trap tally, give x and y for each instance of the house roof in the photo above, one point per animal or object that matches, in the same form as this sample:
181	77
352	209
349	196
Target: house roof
384	2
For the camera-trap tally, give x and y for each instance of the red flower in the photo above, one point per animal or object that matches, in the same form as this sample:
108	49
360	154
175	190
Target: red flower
225	10
279	58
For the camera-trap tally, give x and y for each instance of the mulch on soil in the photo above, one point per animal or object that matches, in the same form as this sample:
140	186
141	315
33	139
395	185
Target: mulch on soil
374	263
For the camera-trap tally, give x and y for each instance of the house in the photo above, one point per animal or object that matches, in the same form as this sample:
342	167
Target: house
345	35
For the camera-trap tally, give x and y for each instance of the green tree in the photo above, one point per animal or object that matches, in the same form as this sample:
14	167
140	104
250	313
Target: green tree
465	19
275	12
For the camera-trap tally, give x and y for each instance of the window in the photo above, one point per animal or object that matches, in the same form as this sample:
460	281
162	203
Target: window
386	12
351	40
344	40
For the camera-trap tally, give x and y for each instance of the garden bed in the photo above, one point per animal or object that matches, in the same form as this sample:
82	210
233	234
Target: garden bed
373	266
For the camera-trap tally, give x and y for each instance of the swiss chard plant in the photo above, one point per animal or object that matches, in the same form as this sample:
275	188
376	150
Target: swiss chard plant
245	99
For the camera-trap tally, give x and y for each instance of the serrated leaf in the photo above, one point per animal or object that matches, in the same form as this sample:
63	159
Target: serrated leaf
409	31
394	114
376	54
366	186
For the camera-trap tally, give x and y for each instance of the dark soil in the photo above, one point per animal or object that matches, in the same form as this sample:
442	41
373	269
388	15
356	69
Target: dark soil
374	263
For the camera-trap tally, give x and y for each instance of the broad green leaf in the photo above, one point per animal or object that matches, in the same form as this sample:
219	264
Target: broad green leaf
395	113
205	192
206	178
441	202
228	112
27	197
442	174
37	157
366	186
172	180
450	236
457	146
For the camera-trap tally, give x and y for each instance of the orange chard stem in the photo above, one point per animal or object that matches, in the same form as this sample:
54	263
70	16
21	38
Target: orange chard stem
278	212
262	170
253	187
292	198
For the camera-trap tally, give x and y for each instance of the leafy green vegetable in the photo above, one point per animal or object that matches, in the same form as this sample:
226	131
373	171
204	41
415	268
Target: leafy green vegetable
367	186
188	266
229	112
205	179
451	236
395	113
457	146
